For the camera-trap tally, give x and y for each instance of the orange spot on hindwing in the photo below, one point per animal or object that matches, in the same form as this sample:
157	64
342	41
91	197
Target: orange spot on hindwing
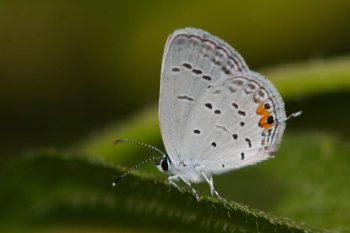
264	115
260	110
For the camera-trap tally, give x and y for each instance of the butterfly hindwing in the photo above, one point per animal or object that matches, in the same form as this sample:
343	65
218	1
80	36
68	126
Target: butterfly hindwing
234	131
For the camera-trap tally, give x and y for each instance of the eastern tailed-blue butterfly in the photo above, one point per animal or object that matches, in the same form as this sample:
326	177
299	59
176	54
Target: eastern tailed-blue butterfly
215	114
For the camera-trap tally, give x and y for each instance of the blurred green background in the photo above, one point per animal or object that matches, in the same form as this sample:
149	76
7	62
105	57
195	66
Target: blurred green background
76	74
68	68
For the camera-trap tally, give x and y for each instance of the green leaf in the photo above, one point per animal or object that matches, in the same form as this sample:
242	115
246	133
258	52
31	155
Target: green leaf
307	181
51	191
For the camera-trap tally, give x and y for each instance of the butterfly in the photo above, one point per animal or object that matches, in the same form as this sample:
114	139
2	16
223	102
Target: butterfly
215	114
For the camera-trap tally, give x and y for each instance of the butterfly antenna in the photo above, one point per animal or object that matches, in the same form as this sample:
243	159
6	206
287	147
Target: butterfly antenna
119	178
293	115
135	142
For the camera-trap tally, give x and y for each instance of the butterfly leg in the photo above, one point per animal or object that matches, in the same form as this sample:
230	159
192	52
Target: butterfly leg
211	185
195	193
172	180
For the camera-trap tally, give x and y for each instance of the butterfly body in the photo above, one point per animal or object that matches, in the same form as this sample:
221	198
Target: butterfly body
187	170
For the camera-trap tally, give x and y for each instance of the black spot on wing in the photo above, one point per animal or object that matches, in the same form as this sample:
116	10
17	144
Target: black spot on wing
235	105
196	131
207	77
197	71
270	120
242	156
242	113
175	69
267	106
209	105
249	142
185	97
187	65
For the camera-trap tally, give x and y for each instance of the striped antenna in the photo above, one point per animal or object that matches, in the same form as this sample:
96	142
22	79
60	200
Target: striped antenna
119	178
135	142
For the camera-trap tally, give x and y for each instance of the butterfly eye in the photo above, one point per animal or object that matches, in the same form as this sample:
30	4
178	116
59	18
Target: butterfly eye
164	164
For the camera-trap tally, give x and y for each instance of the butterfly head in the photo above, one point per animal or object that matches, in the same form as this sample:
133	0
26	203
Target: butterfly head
163	164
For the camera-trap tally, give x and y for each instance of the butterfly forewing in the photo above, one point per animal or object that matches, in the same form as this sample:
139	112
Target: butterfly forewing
193	62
